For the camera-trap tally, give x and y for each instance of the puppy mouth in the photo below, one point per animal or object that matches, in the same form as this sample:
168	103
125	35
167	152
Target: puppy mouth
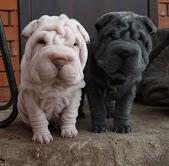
116	81
118	78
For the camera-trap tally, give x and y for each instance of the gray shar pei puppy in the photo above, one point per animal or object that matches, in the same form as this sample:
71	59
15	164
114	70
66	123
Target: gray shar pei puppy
118	55
154	87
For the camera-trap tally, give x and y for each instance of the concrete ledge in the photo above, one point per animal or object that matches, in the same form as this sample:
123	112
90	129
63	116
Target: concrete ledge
147	145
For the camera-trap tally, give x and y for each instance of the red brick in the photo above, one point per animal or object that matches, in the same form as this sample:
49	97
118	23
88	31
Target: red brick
4	81
162	10
5	94
9	15
163	22
15	48
11	33
14	18
8	4
4	16
15	64
163	1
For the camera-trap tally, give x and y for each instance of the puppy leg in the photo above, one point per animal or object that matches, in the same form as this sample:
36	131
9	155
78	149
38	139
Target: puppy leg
68	118
122	112
110	107
37	119
95	96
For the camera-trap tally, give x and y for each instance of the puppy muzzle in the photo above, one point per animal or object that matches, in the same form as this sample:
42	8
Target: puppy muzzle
120	57
59	55
56	62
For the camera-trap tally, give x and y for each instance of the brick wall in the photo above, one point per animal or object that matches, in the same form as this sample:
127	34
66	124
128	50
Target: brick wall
9	15
163	13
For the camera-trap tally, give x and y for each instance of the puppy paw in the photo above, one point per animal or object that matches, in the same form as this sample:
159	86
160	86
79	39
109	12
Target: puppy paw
121	128
69	133
98	129
42	138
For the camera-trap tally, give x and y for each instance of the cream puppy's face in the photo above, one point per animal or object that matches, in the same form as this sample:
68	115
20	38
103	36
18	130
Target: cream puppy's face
55	50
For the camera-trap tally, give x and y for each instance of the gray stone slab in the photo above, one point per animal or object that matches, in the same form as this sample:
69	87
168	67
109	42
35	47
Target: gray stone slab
147	145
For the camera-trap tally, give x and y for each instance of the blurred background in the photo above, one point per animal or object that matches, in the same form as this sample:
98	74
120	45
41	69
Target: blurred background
16	14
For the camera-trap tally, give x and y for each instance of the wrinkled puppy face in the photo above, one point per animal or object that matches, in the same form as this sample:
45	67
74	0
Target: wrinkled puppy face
123	44
55	51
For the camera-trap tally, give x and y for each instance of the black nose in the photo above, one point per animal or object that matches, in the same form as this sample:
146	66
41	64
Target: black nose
59	62
125	54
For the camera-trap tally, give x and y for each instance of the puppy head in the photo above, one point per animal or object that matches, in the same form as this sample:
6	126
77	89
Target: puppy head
123	44
55	50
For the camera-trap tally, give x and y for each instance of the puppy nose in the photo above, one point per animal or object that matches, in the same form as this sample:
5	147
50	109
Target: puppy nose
124	54
59	62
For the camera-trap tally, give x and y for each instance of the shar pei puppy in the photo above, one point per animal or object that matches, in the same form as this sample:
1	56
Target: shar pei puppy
118	55
52	75
154	87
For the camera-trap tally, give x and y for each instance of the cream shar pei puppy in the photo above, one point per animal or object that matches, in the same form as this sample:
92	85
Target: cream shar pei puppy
52	75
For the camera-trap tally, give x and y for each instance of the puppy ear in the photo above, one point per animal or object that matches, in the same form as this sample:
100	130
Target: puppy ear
75	25
83	54
81	29
103	20
83	33
29	29
149	25
83	50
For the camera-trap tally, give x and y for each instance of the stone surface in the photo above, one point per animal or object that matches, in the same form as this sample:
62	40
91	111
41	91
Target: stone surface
147	145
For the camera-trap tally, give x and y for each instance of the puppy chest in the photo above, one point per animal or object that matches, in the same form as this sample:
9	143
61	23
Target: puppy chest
54	106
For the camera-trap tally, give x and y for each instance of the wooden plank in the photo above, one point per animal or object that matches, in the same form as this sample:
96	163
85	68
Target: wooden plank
153	11
24	19
139	7
85	12
42	7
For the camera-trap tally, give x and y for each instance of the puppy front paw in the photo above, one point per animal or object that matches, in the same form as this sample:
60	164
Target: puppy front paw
69	132
121	128
98	129
42	138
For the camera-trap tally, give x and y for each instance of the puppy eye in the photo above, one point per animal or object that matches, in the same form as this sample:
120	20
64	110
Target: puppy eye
140	38
41	41
146	45
75	44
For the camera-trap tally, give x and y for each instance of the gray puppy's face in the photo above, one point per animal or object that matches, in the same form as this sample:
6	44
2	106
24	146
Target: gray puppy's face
123	44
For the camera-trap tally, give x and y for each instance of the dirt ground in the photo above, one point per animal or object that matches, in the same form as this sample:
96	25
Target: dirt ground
147	145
